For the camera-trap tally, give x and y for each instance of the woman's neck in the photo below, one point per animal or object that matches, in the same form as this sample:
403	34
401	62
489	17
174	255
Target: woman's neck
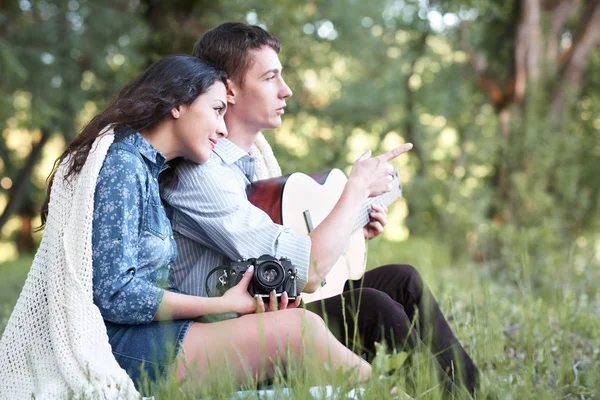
162	139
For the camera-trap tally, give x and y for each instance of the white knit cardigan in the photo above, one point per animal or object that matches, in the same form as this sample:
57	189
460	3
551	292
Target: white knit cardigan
266	165
55	345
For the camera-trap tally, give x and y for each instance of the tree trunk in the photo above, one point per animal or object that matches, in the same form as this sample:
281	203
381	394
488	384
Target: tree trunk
25	242
21	186
409	121
527	47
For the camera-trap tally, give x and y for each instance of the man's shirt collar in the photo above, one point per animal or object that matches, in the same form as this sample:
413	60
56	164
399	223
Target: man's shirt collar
228	151
231	154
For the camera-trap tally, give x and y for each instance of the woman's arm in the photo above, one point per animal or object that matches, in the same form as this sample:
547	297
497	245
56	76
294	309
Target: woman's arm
182	306
122	290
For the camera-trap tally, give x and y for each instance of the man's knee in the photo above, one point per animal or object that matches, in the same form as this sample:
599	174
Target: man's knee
372	299
381	318
404	272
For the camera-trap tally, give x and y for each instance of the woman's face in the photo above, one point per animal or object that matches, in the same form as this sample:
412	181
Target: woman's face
201	123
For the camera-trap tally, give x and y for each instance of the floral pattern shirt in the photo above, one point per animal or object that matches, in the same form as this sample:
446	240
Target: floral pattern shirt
132	240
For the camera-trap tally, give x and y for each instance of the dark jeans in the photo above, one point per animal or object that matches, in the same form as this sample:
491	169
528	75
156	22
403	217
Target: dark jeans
387	299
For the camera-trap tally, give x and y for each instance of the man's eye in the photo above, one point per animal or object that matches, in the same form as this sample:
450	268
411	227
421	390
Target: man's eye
270	78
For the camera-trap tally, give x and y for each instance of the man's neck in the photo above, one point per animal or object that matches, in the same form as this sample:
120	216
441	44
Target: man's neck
240	134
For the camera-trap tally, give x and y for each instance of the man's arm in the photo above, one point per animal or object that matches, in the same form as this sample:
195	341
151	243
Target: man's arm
378	221
370	176
211	208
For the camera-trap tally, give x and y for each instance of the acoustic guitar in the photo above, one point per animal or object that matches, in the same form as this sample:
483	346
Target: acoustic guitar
301	202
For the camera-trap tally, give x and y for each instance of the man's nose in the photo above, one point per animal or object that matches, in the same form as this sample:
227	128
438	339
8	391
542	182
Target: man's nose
285	90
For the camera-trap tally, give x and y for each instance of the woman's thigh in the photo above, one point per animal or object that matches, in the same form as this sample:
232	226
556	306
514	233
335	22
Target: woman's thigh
246	346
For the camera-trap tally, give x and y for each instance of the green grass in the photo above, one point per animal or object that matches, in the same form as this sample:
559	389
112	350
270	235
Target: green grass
531	326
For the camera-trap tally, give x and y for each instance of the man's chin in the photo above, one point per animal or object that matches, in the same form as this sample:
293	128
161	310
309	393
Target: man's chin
274	124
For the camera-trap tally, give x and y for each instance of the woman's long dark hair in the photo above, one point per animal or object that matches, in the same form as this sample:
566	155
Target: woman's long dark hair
146	100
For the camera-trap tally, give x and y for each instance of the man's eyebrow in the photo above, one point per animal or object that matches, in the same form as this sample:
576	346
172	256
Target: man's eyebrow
271	71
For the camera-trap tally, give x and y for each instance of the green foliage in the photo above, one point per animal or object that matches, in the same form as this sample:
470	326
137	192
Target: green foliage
362	73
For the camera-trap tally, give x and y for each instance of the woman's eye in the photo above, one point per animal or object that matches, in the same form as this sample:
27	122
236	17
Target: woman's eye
219	109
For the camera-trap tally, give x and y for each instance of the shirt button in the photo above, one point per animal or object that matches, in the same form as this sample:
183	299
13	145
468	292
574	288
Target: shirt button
155	180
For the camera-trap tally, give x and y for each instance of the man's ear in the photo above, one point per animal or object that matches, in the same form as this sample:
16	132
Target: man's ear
232	90
176	112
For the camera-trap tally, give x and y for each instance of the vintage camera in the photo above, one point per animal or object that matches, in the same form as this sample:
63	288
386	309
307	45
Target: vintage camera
269	273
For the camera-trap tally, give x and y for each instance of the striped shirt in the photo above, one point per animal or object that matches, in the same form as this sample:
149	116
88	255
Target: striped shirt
214	223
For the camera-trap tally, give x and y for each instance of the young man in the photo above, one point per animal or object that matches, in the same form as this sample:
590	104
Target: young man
214	222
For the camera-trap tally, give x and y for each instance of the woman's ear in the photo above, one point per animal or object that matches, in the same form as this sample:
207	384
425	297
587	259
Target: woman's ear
176	112
232	90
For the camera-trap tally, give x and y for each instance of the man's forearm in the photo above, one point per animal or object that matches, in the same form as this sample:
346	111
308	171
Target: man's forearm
331	236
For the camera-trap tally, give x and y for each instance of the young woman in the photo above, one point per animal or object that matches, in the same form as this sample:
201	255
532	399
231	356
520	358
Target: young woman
173	109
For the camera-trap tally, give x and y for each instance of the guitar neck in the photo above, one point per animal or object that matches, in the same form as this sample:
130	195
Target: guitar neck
385	199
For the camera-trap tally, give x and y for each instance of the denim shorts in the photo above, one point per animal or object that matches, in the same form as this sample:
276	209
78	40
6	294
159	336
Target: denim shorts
147	350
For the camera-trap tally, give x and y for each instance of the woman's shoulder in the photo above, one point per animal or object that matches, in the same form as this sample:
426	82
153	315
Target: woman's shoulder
125	150
124	160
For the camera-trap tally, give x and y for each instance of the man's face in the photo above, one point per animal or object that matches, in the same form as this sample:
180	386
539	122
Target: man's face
259	102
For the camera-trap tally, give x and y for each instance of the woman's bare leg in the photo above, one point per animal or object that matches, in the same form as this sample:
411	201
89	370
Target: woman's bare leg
250	345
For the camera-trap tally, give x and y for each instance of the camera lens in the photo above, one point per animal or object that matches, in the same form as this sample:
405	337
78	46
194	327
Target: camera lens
270	275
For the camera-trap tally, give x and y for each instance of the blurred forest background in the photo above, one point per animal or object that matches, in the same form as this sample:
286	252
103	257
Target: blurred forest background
501	100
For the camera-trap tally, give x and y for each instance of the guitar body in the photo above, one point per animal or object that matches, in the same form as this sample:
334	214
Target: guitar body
287	200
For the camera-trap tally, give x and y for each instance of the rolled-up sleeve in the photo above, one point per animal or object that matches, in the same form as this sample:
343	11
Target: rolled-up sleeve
210	207
121	291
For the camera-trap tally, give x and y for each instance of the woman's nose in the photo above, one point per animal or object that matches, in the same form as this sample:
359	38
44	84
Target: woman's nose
222	128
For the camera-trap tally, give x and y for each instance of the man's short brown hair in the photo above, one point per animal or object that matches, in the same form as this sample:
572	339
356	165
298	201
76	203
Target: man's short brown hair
228	46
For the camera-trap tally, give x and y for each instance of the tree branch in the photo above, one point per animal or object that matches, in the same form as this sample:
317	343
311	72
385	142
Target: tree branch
560	14
586	38
479	64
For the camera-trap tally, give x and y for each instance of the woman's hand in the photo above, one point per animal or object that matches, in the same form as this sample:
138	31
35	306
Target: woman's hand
242	303
238	298
274	305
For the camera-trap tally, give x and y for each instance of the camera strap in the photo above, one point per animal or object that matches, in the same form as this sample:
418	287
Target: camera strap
221	286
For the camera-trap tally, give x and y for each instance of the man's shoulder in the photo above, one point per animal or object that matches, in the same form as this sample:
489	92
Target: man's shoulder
213	169
212	179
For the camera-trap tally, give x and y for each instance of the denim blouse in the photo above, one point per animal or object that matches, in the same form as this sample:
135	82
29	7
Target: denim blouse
132	240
